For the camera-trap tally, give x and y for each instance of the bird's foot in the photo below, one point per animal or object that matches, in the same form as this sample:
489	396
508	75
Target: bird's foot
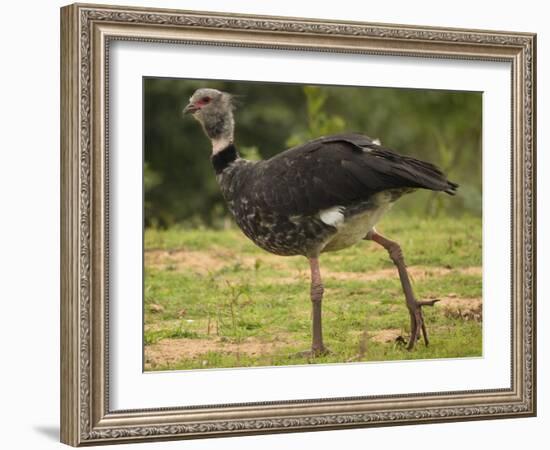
417	322
313	353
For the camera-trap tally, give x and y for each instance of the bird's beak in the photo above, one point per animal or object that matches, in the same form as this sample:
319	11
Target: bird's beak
190	109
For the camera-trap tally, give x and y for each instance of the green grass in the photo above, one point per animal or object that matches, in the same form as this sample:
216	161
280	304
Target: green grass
234	305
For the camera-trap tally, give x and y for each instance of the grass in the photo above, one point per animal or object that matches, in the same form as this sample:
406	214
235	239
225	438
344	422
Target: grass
213	299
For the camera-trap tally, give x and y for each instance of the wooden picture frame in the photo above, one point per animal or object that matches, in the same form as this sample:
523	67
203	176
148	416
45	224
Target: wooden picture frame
86	34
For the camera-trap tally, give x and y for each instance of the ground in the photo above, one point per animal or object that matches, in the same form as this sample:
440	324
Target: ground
213	299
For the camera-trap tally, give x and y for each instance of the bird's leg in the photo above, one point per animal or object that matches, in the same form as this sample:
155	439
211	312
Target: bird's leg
413	305
317	346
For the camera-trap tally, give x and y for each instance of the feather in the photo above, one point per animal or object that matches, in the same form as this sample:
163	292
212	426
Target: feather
336	170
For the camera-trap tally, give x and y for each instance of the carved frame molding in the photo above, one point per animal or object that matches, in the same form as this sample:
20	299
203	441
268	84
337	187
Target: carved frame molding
86	32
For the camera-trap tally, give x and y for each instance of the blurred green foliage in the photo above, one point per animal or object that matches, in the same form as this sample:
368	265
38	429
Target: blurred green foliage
443	127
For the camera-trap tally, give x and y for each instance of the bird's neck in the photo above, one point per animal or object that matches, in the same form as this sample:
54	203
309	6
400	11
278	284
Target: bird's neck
221	143
222	159
219	127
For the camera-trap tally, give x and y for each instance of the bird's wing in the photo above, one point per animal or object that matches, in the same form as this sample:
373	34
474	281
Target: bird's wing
338	170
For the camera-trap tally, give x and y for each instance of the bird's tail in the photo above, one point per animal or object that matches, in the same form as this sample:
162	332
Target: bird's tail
451	190
416	173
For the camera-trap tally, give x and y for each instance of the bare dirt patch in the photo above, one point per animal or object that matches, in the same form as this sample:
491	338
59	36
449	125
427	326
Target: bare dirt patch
415	272
206	262
385	336
462	308
170	351
154	308
183	260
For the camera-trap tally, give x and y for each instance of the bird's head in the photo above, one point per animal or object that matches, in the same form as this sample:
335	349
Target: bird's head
206	104
214	110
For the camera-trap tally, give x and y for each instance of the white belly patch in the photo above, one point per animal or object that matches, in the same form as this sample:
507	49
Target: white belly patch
333	216
351	230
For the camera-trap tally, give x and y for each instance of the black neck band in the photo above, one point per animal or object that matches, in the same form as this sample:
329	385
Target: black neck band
222	159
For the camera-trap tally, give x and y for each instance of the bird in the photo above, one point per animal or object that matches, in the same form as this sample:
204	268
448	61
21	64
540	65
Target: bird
322	196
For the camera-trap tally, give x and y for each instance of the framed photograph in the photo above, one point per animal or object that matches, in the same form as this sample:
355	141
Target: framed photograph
277	224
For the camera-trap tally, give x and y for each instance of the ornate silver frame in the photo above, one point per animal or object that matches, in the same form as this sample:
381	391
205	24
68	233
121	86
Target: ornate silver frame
86	31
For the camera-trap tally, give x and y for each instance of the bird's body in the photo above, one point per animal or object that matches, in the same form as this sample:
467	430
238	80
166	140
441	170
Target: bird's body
324	195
